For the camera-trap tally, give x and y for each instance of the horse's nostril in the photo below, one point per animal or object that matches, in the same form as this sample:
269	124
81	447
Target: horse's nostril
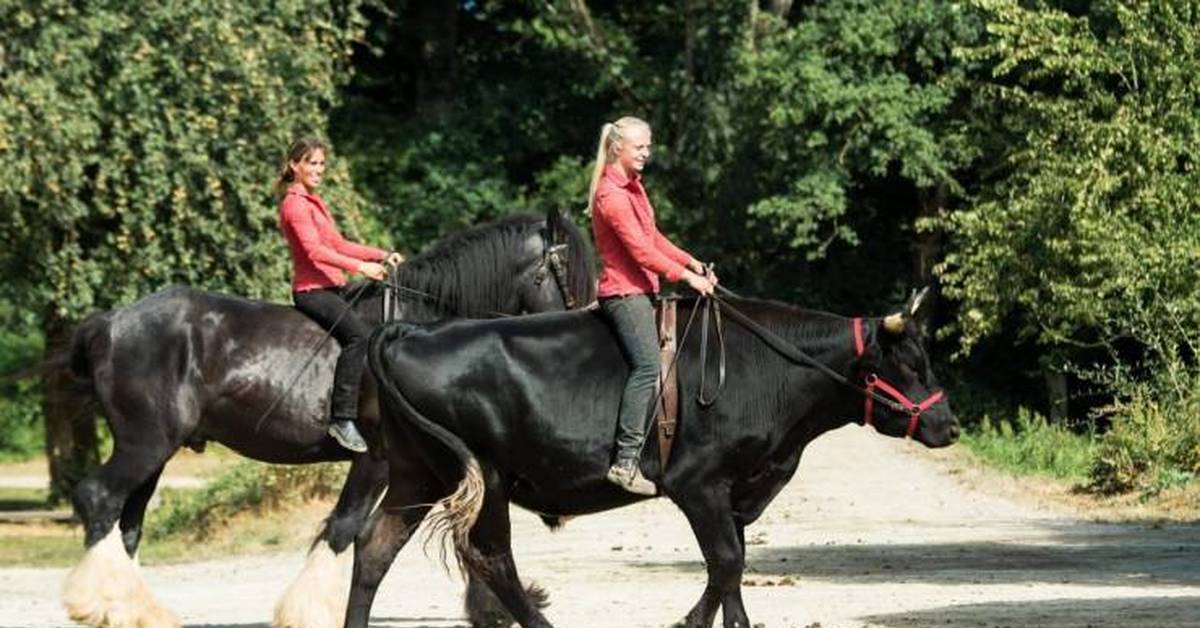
954	431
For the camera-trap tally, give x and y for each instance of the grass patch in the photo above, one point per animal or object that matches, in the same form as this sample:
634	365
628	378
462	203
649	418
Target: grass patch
248	487
17	498
1031	445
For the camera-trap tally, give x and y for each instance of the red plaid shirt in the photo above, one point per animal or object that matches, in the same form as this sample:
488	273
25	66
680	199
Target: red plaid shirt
319	252
630	246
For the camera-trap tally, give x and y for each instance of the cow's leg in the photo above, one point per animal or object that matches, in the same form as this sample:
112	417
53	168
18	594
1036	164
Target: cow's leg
484	609
720	541
490	556
318	595
411	491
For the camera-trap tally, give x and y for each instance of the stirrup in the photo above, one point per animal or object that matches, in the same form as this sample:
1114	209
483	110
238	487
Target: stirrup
344	432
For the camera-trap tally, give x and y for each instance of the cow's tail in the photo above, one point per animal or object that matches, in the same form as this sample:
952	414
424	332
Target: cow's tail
460	508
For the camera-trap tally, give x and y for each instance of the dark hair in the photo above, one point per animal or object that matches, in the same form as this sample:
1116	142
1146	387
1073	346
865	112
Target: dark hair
299	149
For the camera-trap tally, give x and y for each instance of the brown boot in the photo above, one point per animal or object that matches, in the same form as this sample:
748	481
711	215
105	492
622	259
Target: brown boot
626	474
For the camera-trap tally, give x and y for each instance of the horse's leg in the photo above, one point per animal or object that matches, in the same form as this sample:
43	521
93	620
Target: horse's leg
318	595
106	588
411	491
135	512
720	539
490	556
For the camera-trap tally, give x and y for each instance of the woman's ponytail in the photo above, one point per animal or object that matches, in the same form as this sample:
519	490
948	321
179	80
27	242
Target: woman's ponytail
606	132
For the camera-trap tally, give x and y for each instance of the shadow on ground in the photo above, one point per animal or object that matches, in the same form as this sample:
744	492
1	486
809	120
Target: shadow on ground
1139	612
1091	554
376	622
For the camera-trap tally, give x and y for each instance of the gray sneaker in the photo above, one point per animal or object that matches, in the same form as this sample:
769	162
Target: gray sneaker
627	475
344	432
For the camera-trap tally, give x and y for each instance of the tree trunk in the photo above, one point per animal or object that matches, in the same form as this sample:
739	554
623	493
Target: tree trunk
72	448
1056	394
431	48
927	249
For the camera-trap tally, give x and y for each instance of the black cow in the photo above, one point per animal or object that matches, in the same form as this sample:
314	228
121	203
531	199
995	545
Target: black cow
478	414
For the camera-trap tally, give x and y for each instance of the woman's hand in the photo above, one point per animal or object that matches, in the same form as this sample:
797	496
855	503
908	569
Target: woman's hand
704	270
372	270
394	259
698	283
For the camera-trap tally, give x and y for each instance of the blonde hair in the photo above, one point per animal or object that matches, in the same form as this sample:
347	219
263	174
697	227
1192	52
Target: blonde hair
610	135
299	149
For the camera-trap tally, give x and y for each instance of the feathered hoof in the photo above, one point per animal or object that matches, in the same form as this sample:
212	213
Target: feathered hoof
317	598
106	590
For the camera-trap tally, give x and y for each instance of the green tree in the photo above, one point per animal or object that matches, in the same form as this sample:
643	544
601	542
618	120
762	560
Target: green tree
1089	233
141	141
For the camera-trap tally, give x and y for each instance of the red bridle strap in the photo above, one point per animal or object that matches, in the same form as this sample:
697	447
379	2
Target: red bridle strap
915	409
874	381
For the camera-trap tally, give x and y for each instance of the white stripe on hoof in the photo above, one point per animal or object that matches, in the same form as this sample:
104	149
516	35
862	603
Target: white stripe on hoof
317	598
106	590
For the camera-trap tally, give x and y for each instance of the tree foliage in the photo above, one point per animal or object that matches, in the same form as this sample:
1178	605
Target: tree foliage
1089	231
141	141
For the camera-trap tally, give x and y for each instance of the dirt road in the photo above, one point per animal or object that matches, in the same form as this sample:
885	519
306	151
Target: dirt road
869	533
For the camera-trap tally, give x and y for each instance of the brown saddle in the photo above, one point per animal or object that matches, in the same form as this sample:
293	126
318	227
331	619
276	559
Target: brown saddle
666	411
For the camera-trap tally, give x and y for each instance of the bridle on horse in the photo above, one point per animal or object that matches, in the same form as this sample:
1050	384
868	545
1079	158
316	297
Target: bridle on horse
891	396
552	260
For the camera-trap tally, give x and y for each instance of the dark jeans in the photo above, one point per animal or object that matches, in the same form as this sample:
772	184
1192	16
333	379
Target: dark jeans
325	306
633	318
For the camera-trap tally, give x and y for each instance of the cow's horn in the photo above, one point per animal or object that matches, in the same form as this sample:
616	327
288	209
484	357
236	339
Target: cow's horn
894	323
917	300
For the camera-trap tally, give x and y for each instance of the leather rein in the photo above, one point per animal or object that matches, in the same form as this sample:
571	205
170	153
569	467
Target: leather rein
875	389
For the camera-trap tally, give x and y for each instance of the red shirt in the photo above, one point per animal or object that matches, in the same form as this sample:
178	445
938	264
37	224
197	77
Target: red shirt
319	252
631	249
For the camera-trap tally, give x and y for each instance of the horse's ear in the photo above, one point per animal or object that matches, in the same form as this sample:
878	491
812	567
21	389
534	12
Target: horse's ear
553	222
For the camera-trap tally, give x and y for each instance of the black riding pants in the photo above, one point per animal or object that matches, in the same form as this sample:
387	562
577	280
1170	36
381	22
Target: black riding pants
325	306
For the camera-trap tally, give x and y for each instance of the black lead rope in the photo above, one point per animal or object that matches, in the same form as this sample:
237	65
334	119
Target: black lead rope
794	354
711	306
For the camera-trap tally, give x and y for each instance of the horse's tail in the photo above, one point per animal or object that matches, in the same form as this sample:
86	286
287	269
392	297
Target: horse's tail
85	339
461	507
70	364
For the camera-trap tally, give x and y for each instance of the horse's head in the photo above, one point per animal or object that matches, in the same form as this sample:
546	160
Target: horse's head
556	271
896	367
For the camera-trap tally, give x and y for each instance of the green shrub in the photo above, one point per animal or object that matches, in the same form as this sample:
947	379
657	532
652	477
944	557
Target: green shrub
248	486
21	429
1030	444
1154	443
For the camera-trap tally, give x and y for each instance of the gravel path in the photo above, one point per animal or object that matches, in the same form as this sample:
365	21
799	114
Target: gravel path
869	533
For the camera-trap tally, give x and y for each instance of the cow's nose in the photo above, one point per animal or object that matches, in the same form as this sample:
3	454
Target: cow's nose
954	431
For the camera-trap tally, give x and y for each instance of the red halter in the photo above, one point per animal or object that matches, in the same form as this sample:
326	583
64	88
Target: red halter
874	382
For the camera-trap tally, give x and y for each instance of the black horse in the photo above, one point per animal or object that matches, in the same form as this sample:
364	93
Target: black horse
182	367
479	414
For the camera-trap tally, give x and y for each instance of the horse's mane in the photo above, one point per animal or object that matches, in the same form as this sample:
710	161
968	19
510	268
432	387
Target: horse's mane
470	273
